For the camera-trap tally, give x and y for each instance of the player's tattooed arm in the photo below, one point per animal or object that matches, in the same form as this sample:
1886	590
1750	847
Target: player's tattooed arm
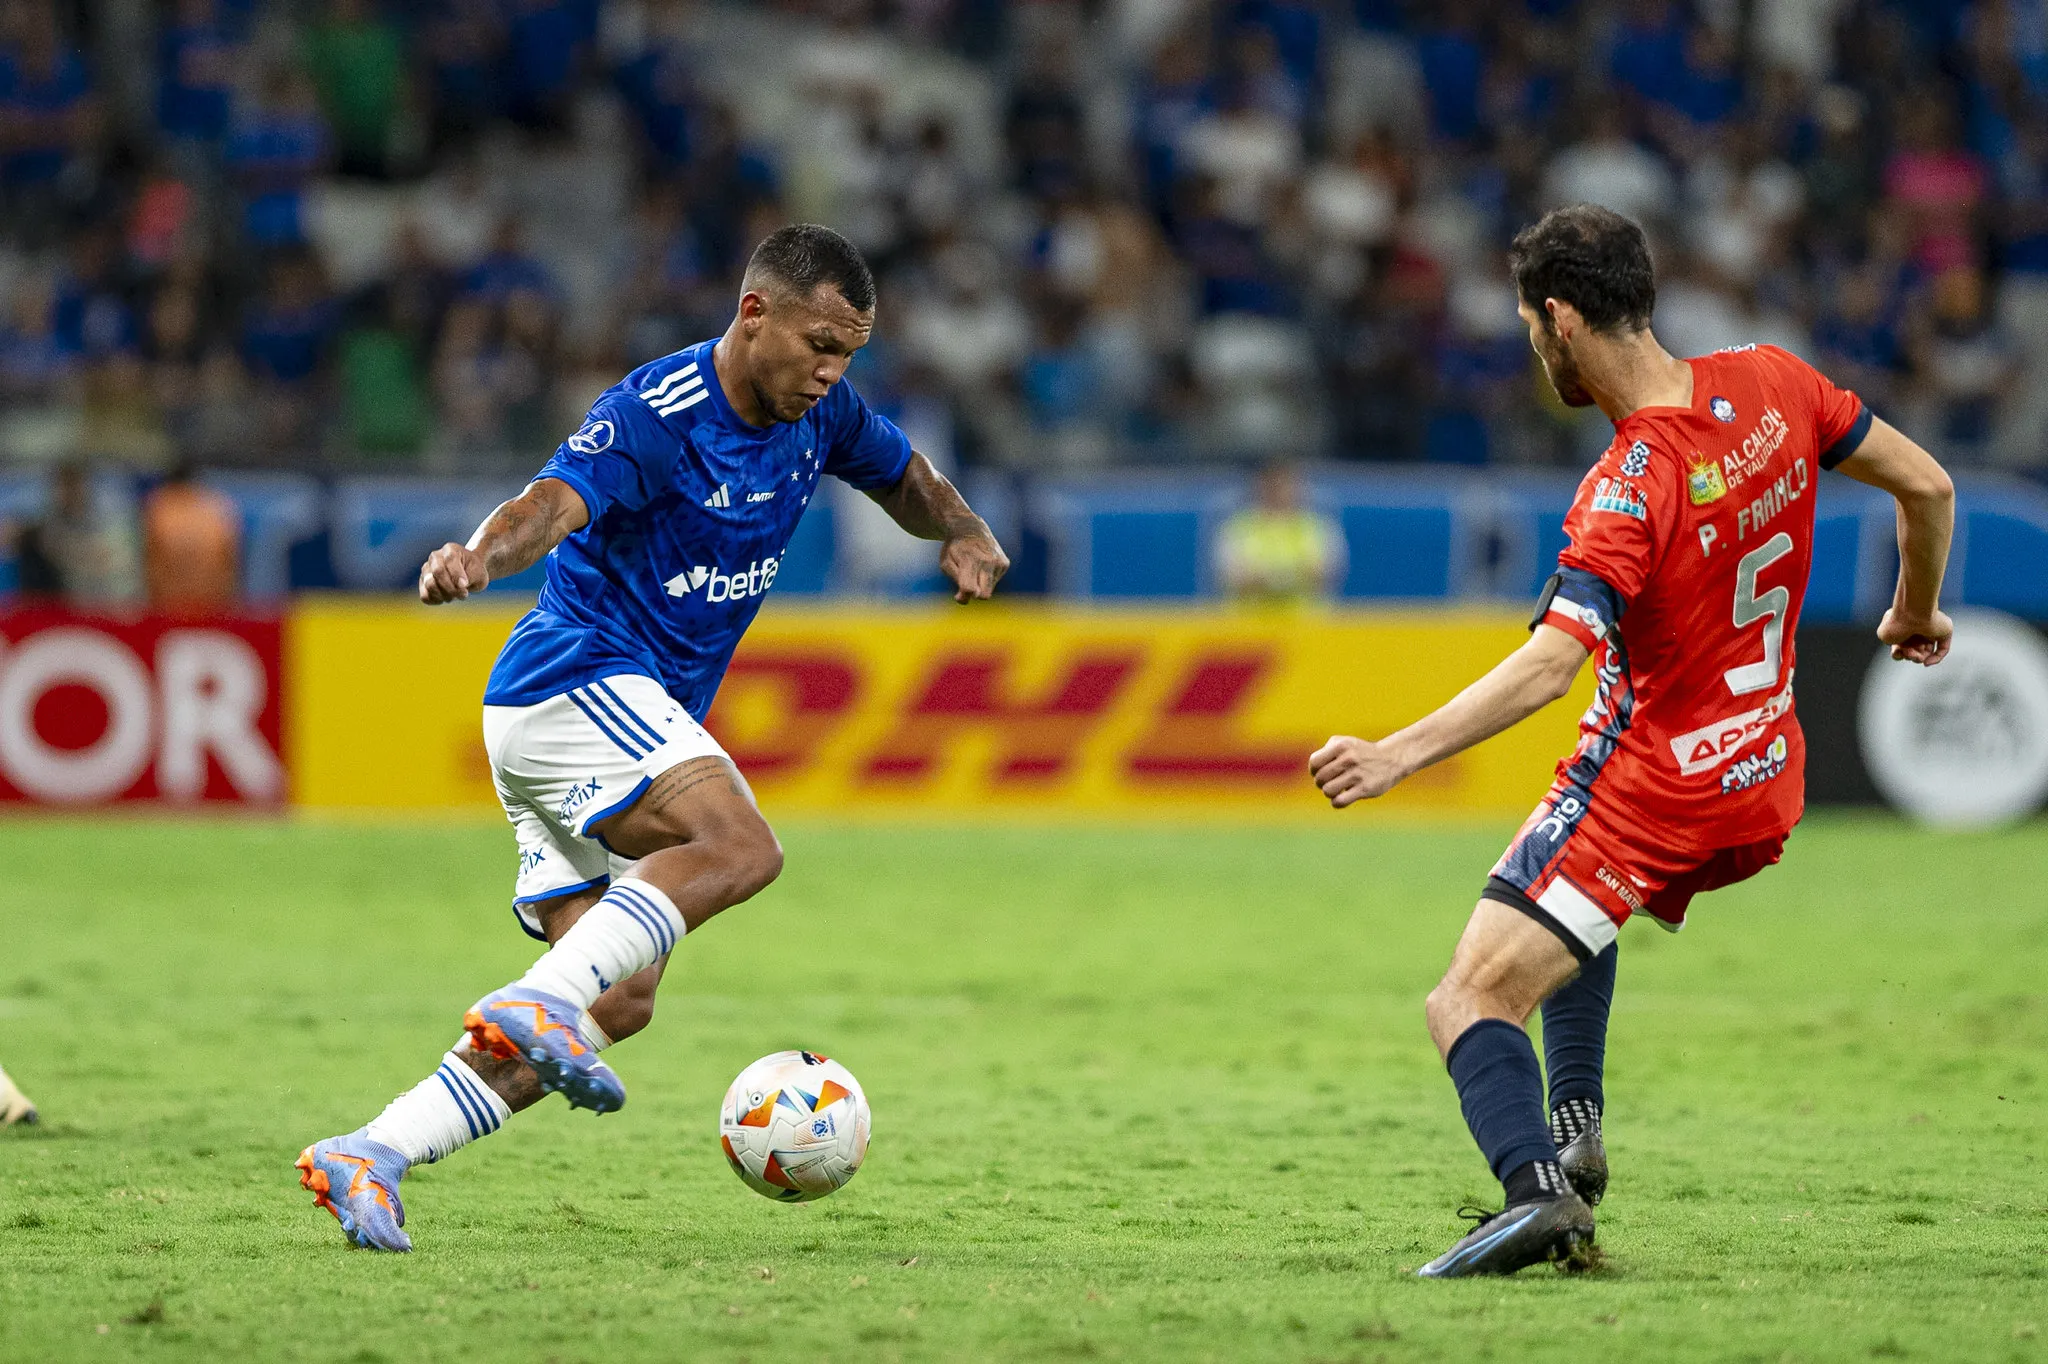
512	538
1348	770
1916	627
925	503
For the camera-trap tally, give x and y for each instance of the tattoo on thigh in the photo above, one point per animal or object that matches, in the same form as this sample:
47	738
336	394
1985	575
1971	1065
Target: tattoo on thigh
670	785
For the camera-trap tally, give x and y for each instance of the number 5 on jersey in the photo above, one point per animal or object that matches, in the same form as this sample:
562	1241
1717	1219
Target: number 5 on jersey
1769	607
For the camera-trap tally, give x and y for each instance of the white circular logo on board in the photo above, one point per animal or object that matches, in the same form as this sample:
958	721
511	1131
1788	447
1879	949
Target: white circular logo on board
108	765
1963	744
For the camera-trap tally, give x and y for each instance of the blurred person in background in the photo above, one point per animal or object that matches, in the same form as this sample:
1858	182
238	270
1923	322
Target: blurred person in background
277	146
77	550
197	59
191	545
286	334
357	60
1279	551
34	361
50	117
1964	366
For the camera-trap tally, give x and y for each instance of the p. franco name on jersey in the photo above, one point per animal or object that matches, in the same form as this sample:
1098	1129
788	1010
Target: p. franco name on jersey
720	586
1782	493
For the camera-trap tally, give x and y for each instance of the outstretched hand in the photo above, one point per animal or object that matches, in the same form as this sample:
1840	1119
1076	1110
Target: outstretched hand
451	573
1349	770
975	563
1922	641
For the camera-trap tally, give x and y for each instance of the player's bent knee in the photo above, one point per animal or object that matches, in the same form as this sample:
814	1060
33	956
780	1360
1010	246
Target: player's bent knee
726	864
758	863
749	854
1452	1007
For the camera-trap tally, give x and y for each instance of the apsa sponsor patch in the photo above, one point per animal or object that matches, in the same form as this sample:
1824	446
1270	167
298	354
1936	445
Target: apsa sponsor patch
1710	746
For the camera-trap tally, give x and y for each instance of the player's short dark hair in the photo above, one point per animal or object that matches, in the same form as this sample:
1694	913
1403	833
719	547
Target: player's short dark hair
802	256
1592	258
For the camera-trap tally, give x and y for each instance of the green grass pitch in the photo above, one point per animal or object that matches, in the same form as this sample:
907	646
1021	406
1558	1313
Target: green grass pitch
1147	1095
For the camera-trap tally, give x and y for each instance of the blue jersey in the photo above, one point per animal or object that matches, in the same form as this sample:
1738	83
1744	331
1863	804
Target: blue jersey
690	512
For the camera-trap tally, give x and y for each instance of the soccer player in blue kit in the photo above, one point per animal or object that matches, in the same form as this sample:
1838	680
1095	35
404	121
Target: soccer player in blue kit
663	521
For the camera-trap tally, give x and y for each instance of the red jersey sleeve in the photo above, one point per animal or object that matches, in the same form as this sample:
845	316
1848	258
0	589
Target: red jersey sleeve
1619	527
1840	420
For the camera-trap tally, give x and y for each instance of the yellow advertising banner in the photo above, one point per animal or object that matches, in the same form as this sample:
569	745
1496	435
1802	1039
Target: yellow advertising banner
956	712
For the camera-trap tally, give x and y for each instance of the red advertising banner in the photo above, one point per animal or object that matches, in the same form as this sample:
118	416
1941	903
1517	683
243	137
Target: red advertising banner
95	709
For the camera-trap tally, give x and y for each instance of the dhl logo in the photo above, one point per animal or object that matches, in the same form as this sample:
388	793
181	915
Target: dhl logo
841	711
1037	734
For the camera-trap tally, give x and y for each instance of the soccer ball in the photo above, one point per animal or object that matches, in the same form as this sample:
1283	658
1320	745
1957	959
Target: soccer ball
794	1126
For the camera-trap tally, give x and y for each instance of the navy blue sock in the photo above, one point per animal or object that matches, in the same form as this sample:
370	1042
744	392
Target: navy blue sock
1575	1032
1493	1065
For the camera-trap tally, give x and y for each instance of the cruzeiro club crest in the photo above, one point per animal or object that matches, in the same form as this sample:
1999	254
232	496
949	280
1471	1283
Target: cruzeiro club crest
1704	483
1722	409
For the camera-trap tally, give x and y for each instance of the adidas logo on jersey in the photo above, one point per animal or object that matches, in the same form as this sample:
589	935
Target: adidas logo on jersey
721	498
720	586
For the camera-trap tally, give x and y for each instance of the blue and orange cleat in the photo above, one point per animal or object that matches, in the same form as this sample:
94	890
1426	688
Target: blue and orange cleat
544	1031
356	1179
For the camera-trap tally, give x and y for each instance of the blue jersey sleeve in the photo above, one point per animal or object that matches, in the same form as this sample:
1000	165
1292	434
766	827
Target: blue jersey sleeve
867	450
621	457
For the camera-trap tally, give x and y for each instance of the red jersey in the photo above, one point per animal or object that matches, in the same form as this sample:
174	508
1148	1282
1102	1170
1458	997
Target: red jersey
1690	545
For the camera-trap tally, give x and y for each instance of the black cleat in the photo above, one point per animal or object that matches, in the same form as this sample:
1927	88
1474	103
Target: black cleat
1524	1235
1575	1128
1584	1162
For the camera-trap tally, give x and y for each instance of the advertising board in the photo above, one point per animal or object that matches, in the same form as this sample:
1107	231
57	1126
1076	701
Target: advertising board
105	709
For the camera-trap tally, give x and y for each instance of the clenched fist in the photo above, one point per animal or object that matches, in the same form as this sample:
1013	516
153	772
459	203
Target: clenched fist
975	563
451	573
1349	770
1917	641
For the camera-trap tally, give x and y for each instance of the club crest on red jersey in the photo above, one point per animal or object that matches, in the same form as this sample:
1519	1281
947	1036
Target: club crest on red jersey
1704	484
1723	410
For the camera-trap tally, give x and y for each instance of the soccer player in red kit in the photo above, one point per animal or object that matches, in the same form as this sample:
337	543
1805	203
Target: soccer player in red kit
1690	542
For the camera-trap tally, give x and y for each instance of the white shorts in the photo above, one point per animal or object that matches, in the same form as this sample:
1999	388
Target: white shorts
573	761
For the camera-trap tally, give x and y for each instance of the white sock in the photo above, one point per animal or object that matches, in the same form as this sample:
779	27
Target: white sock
441	1114
621	935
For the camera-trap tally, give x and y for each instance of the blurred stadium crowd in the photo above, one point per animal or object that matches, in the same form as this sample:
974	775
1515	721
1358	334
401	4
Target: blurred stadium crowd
339	234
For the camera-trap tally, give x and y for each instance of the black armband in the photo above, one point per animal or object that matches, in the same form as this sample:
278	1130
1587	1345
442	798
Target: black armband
1851	441
1543	601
